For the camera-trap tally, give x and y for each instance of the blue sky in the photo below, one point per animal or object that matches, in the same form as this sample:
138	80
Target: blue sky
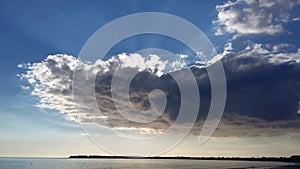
32	30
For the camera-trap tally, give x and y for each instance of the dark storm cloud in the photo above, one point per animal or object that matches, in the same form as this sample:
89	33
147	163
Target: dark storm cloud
261	95
263	90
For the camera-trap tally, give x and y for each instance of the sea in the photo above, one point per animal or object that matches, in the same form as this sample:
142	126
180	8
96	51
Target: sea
54	163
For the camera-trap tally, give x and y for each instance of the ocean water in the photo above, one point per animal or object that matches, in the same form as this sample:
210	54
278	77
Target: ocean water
31	163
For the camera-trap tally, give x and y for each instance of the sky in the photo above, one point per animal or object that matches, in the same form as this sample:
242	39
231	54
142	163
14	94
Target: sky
256	42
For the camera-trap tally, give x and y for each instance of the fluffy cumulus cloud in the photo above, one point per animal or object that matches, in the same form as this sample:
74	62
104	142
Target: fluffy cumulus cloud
254	16
51	81
263	90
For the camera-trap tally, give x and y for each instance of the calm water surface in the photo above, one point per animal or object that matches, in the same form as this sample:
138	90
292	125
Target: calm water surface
31	163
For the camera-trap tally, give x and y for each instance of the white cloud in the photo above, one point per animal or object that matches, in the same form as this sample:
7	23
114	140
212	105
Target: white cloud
253	17
296	19
282	47
269	53
51	81
276	56
285	57
227	50
183	56
200	53
219	31
20	65
25	87
179	64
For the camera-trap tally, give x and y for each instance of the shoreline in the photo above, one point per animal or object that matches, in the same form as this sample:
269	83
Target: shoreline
292	159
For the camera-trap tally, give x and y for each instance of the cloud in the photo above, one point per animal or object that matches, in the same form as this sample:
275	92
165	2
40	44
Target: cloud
51	81
296	19
20	65
282	47
183	56
25	87
261	73
263	90
253	16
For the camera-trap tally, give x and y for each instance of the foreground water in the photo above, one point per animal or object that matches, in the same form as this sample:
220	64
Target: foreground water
31	163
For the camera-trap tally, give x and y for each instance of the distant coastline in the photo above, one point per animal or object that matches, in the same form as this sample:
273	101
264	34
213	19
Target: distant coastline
294	158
